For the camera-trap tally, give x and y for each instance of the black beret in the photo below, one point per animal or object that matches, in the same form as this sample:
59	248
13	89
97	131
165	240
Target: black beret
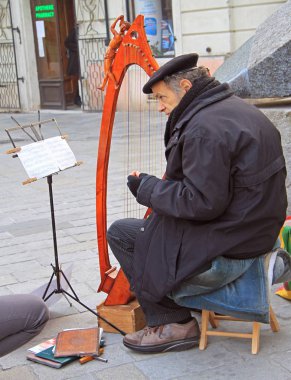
180	63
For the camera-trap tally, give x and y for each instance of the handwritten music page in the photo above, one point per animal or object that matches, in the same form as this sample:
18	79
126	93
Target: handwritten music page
46	157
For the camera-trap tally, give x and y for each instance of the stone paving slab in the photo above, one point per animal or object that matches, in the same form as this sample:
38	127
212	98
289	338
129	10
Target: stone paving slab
26	254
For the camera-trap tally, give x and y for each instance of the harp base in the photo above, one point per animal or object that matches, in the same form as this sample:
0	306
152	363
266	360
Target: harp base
108	280
129	318
116	285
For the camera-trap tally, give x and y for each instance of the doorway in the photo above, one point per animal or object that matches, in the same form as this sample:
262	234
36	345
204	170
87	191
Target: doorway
57	55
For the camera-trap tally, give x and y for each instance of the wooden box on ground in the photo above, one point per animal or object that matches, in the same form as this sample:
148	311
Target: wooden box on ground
129	318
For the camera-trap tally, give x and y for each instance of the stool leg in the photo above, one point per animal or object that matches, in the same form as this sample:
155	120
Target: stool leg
212	320
204	326
256	337
273	321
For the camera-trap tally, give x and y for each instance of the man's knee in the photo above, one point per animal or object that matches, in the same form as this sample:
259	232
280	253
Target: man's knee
123	229
38	314
114	230
41	309
35	312
19	313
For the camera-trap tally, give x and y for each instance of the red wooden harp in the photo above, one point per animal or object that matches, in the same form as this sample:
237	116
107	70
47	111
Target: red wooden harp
134	50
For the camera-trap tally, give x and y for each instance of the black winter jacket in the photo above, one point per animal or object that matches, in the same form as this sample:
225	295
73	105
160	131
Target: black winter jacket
224	193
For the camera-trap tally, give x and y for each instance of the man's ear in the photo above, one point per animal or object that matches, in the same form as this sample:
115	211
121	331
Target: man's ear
185	85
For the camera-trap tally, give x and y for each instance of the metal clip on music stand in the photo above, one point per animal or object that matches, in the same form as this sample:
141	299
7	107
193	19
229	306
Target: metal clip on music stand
33	131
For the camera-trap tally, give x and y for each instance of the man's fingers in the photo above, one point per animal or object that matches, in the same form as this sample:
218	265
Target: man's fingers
135	173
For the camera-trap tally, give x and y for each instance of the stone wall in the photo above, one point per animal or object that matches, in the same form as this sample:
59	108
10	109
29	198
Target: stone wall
221	25
261	67
281	117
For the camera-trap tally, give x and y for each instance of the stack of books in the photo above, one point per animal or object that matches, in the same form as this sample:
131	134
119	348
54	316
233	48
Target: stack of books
69	345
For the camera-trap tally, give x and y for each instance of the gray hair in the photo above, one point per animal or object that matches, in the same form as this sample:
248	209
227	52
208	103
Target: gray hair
174	80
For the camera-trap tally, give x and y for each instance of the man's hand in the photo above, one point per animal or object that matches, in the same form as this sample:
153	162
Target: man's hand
134	180
135	173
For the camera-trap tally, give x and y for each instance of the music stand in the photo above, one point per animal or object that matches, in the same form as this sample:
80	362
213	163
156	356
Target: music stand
56	155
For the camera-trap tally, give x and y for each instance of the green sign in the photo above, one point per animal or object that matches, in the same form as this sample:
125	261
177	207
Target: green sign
44	11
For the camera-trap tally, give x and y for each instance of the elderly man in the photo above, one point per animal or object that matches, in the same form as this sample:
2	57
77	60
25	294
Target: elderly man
223	198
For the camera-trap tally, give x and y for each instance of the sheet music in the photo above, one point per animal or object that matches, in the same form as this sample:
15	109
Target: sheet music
46	157
37	160
61	151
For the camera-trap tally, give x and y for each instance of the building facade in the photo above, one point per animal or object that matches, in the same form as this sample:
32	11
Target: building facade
40	38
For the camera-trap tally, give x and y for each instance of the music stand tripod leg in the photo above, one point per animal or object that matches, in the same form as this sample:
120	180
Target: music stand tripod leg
47	288
59	288
57	271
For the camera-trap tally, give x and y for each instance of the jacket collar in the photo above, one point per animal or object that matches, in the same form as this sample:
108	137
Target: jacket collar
214	95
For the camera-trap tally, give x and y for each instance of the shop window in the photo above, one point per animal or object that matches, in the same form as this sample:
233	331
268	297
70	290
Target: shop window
158	25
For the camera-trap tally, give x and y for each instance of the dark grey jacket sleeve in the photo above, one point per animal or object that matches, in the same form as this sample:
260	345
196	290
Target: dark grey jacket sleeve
205	190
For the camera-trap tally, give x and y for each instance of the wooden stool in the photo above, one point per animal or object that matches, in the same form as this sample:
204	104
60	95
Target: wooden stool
210	316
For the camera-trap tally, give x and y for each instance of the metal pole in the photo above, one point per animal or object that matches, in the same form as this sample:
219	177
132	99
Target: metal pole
57	268
128	18
106	23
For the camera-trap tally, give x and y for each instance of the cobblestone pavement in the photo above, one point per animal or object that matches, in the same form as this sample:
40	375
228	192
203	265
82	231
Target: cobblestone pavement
26	254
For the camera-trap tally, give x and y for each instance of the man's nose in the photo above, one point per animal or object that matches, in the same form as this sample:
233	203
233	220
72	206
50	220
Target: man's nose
161	107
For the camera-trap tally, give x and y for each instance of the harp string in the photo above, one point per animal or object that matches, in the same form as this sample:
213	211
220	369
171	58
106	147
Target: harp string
137	144
127	146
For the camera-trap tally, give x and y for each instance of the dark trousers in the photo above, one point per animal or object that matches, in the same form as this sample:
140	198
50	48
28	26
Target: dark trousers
121	238
22	316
